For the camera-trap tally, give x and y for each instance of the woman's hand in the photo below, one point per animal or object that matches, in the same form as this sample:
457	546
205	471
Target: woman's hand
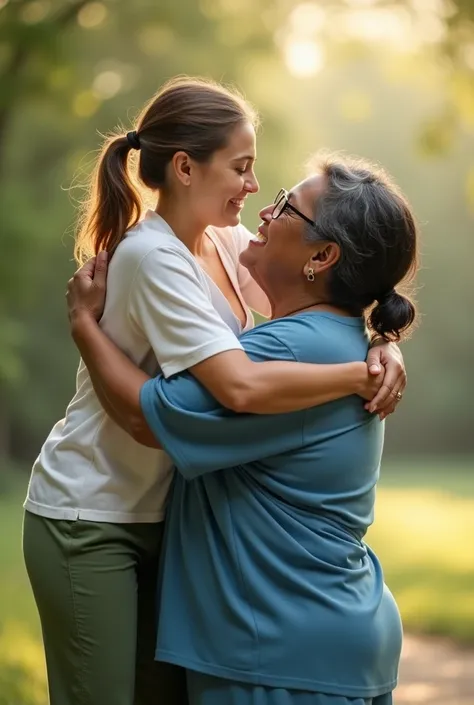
386	359
370	384
87	288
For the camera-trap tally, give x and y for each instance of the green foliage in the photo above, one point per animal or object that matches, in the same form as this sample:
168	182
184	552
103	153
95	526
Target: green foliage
70	70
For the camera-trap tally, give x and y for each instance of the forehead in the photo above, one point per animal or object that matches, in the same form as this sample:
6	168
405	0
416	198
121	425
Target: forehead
242	143
307	192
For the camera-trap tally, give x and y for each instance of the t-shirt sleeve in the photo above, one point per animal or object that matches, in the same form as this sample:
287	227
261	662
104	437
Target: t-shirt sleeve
201	436
171	308
254	296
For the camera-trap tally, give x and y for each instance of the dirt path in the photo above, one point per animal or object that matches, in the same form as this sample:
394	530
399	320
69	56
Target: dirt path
435	672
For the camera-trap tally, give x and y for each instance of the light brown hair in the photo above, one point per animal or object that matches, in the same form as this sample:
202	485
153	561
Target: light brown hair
193	115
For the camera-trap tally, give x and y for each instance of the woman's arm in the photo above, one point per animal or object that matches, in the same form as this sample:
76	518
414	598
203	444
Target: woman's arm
117	381
382	355
231	377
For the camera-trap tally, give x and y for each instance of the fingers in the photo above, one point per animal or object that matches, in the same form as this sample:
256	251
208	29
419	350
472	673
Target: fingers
380	399
95	268
395	397
394	380
388	394
87	269
100	271
389	358
374	362
390	401
383	414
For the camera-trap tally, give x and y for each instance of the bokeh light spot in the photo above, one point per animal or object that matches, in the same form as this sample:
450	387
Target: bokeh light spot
85	104
107	84
155	40
307	19
303	58
92	15
35	11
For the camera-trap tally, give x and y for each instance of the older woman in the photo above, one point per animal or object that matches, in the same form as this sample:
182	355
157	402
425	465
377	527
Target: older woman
269	594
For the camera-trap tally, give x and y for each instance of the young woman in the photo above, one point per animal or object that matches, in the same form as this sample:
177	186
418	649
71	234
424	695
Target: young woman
177	299
269	594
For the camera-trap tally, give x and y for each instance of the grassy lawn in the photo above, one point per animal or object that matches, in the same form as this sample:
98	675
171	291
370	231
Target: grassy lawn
423	533
22	672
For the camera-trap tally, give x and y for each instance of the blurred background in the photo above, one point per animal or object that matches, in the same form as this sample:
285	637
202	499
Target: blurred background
389	80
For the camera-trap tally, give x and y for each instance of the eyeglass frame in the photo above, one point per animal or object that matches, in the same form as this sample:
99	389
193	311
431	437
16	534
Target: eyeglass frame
283	194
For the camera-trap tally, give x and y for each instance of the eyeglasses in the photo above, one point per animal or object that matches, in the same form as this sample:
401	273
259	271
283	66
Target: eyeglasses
282	204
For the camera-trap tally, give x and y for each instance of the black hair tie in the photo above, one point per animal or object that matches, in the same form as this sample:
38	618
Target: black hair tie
133	139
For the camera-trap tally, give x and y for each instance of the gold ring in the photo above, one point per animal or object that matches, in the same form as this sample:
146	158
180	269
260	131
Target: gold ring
398	395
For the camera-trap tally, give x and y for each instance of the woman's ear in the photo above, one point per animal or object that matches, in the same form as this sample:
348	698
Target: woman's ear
181	165
323	259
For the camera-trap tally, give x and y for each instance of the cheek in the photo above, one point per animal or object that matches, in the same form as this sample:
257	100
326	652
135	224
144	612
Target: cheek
222	187
278	236
232	184
285	253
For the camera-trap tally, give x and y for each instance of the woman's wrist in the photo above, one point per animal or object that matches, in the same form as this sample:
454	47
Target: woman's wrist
359	378
80	322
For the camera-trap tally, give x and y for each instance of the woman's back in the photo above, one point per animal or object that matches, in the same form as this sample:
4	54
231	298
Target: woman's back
276	534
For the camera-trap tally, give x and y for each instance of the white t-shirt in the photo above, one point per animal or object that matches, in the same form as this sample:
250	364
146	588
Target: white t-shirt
165	313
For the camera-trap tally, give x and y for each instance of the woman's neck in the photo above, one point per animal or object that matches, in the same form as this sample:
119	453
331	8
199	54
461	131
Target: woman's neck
184	227
283	306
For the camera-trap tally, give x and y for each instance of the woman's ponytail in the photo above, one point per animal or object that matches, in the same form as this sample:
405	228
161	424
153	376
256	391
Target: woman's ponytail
192	115
391	316
113	205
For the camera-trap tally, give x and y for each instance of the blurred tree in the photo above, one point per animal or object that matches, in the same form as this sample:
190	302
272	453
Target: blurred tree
29	39
69	69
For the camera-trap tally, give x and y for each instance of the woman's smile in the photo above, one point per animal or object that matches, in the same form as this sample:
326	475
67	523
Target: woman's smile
261	237
237	203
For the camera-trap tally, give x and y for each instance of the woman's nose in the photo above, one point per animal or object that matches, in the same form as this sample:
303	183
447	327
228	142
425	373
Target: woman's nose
266	213
252	185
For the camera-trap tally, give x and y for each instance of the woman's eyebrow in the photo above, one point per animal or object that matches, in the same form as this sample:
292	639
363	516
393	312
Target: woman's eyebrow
246	157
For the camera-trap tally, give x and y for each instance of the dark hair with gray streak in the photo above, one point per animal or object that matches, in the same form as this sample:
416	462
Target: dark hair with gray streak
365	213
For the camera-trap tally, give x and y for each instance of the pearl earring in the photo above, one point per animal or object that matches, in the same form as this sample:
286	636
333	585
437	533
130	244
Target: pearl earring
310	275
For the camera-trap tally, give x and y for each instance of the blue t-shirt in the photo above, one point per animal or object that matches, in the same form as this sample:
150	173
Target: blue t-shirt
266	578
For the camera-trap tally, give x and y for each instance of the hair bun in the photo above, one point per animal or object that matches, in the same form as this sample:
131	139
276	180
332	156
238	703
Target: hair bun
383	298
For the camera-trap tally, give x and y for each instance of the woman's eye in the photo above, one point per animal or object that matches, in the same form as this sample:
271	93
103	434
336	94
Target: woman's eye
240	170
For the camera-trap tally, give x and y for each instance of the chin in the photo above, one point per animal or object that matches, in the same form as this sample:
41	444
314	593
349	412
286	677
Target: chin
234	219
226	221
247	259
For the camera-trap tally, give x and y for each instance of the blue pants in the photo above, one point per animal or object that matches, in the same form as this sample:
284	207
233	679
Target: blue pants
209	690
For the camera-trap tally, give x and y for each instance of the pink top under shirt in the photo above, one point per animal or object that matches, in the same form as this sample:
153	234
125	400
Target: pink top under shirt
230	242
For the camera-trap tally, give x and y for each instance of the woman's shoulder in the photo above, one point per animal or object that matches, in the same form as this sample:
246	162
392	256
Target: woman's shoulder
146	238
313	337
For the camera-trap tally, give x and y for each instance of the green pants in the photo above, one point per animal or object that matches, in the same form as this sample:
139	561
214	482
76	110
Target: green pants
95	588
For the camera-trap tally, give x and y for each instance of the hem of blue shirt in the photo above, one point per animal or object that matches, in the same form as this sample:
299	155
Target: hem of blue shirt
275	681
